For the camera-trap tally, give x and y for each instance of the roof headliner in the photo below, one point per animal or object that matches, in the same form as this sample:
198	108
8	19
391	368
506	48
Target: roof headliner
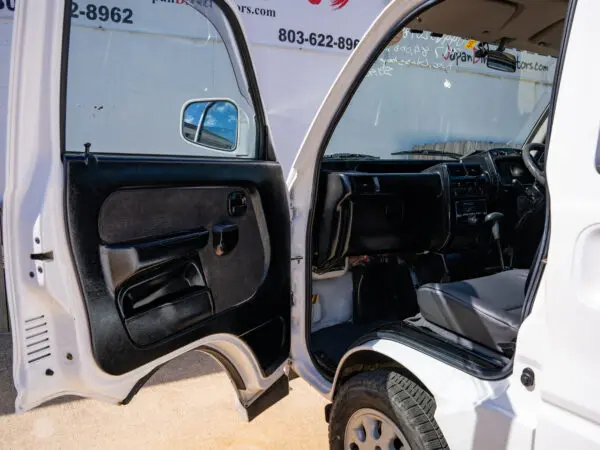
532	25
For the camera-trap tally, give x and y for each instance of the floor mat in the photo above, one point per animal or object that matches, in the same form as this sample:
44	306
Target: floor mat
330	344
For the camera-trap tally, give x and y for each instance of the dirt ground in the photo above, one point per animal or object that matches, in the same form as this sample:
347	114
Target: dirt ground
187	404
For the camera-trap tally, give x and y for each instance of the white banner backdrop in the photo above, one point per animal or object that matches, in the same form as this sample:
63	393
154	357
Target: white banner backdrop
322	25
7	8
5	42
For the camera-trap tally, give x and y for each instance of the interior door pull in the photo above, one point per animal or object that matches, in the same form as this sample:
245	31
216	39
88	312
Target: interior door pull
225	238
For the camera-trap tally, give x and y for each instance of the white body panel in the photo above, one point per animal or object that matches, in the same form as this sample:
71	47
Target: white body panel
559	340
472	413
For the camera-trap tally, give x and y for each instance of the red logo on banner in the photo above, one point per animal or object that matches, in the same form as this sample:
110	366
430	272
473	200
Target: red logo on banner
335	4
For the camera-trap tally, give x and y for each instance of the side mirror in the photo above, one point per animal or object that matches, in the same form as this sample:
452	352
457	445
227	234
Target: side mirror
210	123
502	61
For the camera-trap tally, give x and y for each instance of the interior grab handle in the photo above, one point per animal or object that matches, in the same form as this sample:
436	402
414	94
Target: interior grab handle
122	261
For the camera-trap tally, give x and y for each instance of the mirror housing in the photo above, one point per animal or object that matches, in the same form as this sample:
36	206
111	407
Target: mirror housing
211	123
497	59
502	61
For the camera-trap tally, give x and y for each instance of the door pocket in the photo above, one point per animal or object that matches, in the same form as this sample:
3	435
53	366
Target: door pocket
169	318
164	300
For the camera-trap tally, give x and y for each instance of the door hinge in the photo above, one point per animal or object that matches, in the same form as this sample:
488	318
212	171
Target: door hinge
288	370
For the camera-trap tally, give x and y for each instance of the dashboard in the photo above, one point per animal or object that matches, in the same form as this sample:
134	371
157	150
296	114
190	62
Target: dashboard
370	207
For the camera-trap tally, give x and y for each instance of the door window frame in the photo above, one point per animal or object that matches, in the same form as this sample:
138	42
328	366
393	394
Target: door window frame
263	146
441	351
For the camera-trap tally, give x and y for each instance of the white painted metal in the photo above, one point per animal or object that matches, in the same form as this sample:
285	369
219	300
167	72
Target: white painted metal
334	301
559	340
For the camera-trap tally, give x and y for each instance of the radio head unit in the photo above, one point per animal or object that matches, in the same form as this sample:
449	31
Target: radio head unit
470	211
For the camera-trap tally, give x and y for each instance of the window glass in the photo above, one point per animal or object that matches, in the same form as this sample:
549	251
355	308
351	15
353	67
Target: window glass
428	93
140	75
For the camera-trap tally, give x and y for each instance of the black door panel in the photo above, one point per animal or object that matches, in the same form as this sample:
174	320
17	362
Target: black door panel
131	215
169	251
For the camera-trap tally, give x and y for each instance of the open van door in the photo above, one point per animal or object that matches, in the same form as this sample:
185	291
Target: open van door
145	213
557	345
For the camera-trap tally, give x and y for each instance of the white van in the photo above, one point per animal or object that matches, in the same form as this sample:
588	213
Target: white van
424	287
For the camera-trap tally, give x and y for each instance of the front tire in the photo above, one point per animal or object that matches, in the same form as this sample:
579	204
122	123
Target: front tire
383	410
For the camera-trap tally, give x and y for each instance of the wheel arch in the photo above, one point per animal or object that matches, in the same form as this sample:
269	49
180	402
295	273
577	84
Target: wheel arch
370	356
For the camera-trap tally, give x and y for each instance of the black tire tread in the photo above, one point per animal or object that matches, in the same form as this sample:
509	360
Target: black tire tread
408	399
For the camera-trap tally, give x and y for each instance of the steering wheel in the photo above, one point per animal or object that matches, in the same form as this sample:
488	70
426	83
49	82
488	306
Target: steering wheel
533	164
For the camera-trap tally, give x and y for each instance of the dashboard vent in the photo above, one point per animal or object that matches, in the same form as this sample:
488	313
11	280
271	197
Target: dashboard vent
474	171
456	170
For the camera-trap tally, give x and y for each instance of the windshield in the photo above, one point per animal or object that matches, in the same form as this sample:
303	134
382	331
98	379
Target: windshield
430	95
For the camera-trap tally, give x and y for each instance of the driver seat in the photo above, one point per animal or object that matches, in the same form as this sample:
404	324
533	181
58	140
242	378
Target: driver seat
486	310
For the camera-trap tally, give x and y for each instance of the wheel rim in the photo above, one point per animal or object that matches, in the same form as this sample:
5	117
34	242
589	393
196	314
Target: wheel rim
372	430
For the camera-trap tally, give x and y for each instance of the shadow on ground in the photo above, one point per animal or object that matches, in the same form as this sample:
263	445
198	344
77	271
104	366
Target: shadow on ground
189	365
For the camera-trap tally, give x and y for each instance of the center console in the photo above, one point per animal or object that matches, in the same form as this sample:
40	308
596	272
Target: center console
466	191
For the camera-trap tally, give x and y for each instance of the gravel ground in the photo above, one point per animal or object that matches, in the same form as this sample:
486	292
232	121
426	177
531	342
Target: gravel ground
187	404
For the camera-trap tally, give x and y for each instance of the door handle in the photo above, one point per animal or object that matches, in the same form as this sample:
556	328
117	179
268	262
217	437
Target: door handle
225	238
237	204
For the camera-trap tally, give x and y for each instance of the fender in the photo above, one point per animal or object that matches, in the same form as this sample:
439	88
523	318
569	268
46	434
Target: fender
459	396
437	377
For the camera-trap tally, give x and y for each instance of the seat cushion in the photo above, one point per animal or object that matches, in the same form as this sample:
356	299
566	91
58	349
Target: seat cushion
486	310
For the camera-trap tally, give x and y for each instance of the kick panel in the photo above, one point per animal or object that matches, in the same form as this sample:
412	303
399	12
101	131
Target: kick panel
167	263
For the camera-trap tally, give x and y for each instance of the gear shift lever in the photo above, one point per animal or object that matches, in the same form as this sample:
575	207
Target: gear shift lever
494	218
